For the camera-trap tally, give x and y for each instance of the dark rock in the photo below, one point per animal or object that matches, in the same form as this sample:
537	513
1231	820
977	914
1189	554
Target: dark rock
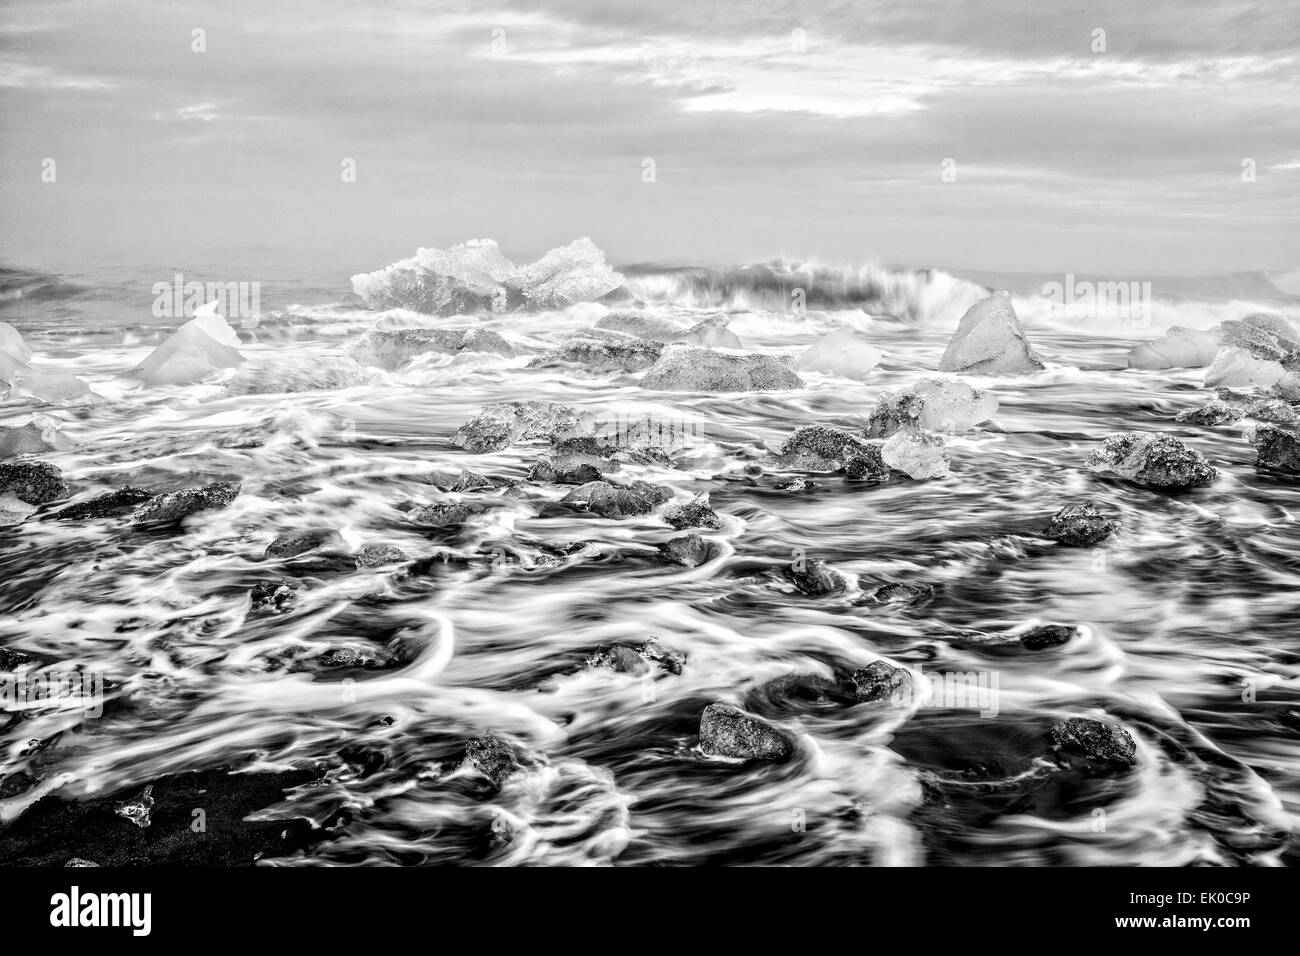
696	513
570	470
869	465
271	597
172	507
356	656
469	481
727	731
610	501
500	426
77	861
445	514
1152	458
1046	635
11	660
294	543
822	448
670	660
498	758
881	680
620	658
1079	525
1095	739
1223	412
365	759
896	592
603	354
1276	449
689	550
813	577
112	504
379	555
35	482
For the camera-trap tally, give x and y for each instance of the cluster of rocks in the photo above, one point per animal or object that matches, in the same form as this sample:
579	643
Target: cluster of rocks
638	659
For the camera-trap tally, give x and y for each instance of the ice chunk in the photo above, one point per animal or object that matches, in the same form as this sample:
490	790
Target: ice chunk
564	276
1236	366
500	426
9	367
13	510
932	404
710	333
609	353
200	347
12	344
989	341
391	349
1177	348
843	353
916	454
53	388
41	434
1261	335
1278	448
682	368
464	278
1151	458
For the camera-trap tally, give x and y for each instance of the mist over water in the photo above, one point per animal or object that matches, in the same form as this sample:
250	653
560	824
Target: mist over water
1186	616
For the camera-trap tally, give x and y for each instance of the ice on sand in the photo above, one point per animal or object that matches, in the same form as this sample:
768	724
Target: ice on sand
916	454
843	353
1177	348
202	346
990	341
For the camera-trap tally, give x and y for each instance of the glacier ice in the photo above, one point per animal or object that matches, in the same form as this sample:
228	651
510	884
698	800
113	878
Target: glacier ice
464	278
683	368
932	404
842	353
52	387
1177	348
1236	366
202	346
916	454
565	276
990	341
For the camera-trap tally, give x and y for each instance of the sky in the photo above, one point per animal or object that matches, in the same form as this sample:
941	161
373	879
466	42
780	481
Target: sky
999	135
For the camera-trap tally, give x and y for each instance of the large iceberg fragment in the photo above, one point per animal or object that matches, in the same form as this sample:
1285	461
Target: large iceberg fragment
916	454
1177	348
842	353
464	278
933	404
990	341
202	346
565	276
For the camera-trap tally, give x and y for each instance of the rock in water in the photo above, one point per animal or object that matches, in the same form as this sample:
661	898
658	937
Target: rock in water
682	368
497	757
612	501
843	353
1046	635
1080	526
989	341
814	577
688	550
916	455
34	482
1152	458
391	350
727	731
1177	348
1225	412
1096	739
1277	449
932	404
181	504
201	347
564	276
500	426
611	354
822	448
881	680
108	505
870	465
696	513
380	555
294	543
464	278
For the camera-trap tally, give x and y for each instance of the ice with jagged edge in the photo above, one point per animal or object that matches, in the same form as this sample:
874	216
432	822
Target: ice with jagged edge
464	278
201	347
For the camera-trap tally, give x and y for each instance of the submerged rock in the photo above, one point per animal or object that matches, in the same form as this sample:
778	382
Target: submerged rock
1177	348
609	354
380	555
181	504
696	513
1095	739
1047	635
814	577
916	455
111	504
899	592
1152	458
445	514
688	550
393	349
1079	525
932	404
683	368
670	660
990	341
498	758
271	597
294	543
843	352
822	448
1277	449
621	659
881	680
612	501
727	731
35	482
500	426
